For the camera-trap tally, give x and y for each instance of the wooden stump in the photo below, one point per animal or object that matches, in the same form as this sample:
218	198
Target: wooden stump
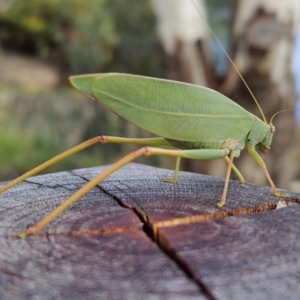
137	237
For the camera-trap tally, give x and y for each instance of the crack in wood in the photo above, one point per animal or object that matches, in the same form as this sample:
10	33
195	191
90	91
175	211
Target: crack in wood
152	230
220	215
14	274
48	186
165	246
119	201
154	227
148	230
161	241
95	231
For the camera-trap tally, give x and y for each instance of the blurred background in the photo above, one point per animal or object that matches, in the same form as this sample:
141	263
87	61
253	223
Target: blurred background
42	42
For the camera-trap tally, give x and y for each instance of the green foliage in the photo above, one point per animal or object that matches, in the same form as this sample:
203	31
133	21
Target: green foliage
29	25
86	36
91	35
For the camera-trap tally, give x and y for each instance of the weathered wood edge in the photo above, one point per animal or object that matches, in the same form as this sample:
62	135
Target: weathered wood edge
137	187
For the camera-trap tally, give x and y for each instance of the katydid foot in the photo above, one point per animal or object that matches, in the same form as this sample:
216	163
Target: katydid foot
29	231
281	195
170	180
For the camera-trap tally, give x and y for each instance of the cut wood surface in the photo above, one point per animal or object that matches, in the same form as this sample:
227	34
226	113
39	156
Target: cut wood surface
137	237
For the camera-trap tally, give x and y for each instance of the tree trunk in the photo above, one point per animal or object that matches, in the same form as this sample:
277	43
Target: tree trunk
263	39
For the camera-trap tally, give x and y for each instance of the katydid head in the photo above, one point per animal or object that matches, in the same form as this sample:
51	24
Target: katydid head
264	145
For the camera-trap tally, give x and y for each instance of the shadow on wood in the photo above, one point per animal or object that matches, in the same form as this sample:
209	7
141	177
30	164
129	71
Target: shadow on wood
137	237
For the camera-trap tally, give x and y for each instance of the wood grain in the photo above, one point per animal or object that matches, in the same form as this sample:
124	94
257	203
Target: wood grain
137	237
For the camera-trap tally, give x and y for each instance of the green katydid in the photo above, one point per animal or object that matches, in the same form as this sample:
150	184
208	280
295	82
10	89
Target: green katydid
190	121
199	122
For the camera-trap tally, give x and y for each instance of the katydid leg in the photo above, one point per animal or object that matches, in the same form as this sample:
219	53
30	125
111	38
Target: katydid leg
161	142
236	171
99	139
261	163
223	199
191	154
175	177
157	141
51	162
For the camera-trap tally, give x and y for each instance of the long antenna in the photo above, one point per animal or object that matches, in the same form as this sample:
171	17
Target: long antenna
283	110
232	63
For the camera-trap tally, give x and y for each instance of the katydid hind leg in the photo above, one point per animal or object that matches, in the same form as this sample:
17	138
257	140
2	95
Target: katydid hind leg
51	162
148	151
157	141
98	139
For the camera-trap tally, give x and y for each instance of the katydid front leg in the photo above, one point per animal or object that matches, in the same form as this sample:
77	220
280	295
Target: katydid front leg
191	154
258	159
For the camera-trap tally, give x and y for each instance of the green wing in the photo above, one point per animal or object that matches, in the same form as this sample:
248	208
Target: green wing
166	108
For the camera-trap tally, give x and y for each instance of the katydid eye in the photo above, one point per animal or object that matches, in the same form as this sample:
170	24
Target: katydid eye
272	128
